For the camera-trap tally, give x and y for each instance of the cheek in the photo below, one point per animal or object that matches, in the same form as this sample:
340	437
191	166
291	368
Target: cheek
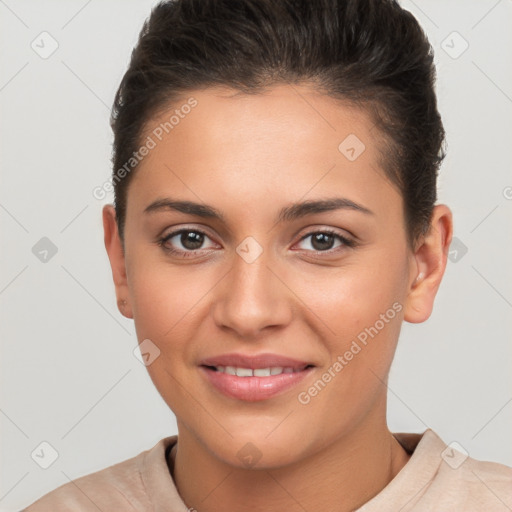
361	306
162	295
361	310
170	306
164	302
349	299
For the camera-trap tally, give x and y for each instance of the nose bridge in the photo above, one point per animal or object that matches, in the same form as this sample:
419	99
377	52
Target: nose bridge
252	298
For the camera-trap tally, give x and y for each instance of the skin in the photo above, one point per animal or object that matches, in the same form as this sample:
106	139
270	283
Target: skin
248	156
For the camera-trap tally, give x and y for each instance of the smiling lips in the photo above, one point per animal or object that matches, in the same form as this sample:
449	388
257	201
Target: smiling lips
254	378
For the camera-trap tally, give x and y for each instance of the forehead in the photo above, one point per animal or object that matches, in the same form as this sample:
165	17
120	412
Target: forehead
222	116
289	138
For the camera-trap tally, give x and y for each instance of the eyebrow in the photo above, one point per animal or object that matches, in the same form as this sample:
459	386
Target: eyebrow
286	214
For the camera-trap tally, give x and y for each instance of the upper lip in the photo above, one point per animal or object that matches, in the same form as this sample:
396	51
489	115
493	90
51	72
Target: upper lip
254	361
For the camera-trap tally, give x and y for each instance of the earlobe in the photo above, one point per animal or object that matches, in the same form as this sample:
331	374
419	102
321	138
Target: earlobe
430	263
115	251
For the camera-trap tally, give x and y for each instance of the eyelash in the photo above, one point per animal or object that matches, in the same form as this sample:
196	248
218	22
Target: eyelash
188	254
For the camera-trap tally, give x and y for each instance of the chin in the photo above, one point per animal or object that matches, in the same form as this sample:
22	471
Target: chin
258	446
258	454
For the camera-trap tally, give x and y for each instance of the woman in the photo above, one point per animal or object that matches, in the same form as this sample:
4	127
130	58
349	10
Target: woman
275	222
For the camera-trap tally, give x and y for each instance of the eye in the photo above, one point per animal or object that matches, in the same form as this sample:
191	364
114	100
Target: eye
185	242
325	241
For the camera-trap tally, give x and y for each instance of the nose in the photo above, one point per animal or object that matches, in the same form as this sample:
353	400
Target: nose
252	298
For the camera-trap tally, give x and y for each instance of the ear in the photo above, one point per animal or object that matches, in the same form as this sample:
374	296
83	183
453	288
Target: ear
115	252
429	264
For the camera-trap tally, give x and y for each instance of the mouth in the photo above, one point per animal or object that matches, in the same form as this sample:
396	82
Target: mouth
257	372
254	378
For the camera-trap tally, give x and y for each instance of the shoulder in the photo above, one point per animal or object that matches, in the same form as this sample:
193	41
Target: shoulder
119	487
461	482
474	483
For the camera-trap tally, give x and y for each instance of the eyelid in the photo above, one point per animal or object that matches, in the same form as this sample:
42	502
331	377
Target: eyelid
177	231
322	228
173	231
346	241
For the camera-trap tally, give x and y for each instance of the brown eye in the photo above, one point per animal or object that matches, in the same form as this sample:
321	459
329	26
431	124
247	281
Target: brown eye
191	240
325	241
185	242
322	241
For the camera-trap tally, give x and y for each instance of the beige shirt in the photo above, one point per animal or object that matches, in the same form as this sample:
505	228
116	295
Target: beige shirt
436	478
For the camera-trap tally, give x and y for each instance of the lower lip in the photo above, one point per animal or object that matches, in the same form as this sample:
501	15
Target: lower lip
253	389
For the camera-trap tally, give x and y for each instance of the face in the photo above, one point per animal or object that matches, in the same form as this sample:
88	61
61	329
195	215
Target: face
254	280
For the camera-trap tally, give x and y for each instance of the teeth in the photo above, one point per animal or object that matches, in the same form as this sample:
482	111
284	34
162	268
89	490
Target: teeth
257	372
261	372
230	370
244	372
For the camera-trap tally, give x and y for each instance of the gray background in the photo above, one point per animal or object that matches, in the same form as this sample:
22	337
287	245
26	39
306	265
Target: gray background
69	376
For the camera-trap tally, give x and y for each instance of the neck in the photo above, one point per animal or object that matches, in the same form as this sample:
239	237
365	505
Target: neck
340	478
